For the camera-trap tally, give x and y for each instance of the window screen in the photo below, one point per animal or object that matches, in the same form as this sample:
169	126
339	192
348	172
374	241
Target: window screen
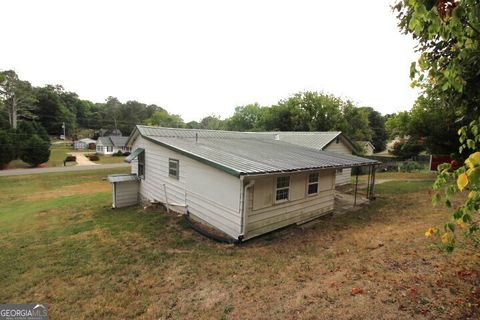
173	168
312	183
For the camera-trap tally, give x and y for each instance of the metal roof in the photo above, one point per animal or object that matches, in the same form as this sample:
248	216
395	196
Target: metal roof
113	141
134	154
122	177
247	156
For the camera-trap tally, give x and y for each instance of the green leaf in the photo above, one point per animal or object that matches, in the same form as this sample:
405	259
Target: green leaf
457	214
450	226
436	199
448	204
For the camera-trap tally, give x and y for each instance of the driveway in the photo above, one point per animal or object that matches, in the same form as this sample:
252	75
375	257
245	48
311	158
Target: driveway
18	172
82	160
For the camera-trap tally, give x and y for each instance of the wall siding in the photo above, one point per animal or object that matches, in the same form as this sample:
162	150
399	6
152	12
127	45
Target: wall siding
126	194
263	215
210	194
342	148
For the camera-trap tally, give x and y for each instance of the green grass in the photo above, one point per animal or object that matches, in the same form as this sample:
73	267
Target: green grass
57	155
401	187
88	261
110	159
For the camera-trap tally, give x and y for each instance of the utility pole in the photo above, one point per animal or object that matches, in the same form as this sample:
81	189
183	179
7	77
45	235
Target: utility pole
63	127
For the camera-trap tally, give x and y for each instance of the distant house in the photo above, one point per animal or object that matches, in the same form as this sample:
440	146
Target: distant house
332	141
367	147
86	143
112	144
243	184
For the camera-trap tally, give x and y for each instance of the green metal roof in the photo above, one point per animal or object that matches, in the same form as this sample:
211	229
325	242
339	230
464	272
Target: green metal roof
246	153
134	154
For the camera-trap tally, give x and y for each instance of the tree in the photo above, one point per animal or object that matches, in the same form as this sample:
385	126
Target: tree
51	110
164	119
247	118
7	149
17	97
377	125
448	71
397	125
356	126
212	123
35	151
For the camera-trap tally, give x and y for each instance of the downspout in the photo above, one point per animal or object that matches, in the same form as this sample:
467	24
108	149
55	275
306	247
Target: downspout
244	207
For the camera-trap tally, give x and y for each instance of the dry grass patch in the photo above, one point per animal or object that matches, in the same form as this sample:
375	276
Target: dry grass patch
87	261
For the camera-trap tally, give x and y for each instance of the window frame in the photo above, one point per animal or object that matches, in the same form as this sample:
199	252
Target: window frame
177	169
141	164
310	183
287	188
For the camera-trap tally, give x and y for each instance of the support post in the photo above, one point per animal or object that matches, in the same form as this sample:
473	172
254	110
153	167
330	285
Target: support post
372	192
356	187
368	181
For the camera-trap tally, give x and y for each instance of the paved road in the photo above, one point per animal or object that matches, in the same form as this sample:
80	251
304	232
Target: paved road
18	172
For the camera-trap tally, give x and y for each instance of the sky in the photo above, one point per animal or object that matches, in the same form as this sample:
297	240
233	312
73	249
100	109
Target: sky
201	58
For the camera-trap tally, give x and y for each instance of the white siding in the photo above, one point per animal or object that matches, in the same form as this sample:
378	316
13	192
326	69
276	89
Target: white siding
125	194
210	194
342	148
264	215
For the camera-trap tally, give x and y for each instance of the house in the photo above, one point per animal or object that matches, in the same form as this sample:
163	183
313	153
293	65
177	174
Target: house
243	184
112	144
332	141
367	147
86	143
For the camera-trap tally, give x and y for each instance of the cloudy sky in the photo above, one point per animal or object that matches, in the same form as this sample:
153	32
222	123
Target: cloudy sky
198	58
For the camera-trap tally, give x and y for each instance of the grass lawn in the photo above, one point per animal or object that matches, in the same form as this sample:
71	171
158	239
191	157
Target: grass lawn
62	245
109	159
57	155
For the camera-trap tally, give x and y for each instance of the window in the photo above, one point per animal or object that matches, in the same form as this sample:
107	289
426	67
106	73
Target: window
173	168
141	165
282	188
109	149
340	171
312	184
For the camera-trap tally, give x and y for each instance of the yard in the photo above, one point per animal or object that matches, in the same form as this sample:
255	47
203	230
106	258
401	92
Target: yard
57	155
61	244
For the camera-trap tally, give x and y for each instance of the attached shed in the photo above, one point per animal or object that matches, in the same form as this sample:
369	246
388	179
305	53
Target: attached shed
243	184
124	190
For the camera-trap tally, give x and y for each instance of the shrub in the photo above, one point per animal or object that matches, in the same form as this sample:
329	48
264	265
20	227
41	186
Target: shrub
7	149
35	151
409	166
94	157
70	159
126	154
119	153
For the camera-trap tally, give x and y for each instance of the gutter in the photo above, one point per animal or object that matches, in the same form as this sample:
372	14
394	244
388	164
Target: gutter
244	207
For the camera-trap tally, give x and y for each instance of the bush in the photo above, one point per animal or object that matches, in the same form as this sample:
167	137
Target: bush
70	159
7	149
409	166
126	154
119	153
94	157
35	151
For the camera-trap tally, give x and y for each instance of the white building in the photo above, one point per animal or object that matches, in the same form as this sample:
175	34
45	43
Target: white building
84	143
112	144
243	184
367	147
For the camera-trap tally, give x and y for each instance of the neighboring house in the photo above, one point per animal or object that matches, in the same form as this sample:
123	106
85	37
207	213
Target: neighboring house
244	184
333	141
367	147
112	144
86	143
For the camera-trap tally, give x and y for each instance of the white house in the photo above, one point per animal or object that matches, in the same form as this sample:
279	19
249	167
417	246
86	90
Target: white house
367	147
243	184
112	144
84	143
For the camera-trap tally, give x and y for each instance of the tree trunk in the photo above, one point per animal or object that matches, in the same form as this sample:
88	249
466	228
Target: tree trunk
14	113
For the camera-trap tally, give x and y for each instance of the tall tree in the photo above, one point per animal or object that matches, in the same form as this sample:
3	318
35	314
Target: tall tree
247	118
377	125
17	97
